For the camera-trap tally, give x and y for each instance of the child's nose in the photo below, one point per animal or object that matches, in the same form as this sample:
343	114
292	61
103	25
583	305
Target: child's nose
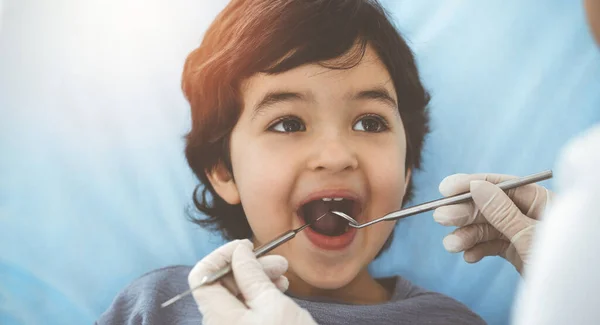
334	154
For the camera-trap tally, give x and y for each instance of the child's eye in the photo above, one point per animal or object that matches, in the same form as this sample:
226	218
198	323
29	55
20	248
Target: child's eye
371	123
288	125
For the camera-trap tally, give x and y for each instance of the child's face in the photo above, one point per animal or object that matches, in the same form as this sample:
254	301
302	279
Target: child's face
325	137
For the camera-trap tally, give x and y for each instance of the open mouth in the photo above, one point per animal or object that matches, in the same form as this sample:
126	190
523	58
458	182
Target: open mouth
331	225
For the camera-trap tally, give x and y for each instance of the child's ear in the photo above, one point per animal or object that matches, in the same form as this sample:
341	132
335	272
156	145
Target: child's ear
222	181
407	179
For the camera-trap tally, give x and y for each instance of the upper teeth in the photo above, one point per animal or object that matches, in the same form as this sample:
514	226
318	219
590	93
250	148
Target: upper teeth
327	199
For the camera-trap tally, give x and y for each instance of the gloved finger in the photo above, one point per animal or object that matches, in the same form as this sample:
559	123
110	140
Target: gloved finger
498	209
249	275
500	247
488	248
217	259
214	300
531	199
460	183
282	283
511	255
458	215
274	267
468	236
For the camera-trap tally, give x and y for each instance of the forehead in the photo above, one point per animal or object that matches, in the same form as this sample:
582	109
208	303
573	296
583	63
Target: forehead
368	73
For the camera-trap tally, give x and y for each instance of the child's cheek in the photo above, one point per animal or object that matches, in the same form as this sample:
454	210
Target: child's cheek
387	180
265	212
264	184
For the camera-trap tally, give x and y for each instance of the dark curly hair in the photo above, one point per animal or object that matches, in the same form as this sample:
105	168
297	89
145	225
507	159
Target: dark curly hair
273	36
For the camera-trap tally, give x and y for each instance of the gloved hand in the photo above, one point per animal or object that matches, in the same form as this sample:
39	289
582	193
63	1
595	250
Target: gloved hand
495	222
257	283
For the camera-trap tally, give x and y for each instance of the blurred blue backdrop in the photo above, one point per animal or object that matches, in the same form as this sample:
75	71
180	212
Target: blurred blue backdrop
93	181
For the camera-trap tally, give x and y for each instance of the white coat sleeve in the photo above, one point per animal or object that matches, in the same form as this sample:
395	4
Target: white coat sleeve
563	281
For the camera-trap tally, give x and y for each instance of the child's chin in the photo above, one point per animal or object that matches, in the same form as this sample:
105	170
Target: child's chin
332	279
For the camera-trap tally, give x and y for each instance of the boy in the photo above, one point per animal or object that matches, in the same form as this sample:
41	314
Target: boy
299	107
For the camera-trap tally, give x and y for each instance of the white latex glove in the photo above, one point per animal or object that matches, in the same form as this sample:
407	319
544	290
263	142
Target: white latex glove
257	283
495	222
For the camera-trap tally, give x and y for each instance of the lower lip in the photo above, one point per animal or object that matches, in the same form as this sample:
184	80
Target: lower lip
331	243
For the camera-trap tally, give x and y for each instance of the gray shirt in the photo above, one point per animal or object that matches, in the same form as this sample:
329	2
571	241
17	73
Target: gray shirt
140	303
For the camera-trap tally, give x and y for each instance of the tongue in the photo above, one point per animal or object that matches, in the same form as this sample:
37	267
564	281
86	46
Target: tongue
329	225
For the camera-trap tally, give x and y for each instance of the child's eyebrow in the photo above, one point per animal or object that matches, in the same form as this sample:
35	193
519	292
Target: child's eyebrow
378	93
279	96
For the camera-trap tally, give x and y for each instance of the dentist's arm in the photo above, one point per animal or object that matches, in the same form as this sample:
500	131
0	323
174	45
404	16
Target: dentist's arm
563	279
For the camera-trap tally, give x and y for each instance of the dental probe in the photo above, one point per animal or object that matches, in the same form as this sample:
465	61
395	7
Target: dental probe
258	252
460	198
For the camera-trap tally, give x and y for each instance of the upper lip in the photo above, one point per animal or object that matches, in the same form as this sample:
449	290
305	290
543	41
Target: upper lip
334	193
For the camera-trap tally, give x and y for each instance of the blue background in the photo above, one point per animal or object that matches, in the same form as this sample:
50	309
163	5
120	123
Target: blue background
93	181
